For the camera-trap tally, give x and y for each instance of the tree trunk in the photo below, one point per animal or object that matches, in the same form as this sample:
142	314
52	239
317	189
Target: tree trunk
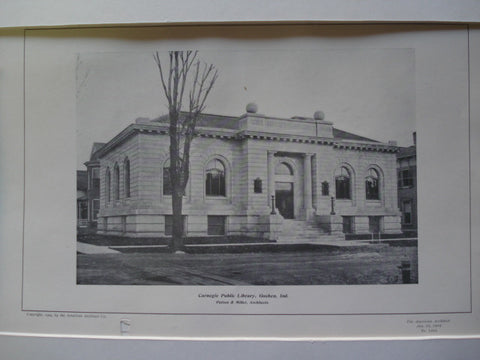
174	87
177	220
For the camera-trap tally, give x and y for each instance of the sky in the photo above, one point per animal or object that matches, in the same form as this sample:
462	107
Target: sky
370	92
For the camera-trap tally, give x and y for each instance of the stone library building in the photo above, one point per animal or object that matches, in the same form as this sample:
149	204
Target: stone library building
283	179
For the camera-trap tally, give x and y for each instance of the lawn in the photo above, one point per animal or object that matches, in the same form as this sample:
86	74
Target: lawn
368	265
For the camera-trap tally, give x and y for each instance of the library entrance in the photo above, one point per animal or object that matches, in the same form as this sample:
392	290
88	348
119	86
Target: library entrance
284	199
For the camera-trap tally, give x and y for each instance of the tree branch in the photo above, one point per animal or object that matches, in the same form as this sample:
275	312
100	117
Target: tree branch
159	65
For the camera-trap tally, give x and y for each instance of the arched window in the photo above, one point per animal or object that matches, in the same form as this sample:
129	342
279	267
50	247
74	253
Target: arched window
127	177
116	182
167	184
215	178
342	183
372	185
108	183
283	169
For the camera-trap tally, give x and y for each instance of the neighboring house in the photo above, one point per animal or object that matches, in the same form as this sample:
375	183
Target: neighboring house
82	202
93	190
252	175
407	186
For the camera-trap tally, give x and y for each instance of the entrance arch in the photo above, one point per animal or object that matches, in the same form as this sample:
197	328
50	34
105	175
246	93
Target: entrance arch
284	189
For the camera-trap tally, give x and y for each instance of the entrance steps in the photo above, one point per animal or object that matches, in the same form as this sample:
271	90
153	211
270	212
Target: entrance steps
301	231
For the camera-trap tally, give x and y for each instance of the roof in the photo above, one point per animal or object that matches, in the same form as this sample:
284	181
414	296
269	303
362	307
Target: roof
228	127
95	147
344	135
407	151
231	122
82	180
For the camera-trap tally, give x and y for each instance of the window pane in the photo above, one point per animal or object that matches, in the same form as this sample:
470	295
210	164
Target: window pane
127	178
374	224
215	179
342	185
96	208
221	185
407	212
372	187
116	183
216	225
107	185
405	178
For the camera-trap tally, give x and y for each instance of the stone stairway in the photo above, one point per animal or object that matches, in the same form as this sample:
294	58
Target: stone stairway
301	231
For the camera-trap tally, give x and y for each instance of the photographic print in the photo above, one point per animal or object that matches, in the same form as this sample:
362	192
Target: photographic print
230	174
246	167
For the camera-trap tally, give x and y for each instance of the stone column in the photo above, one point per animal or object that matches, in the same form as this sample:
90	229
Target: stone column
307	185
273	220
271	176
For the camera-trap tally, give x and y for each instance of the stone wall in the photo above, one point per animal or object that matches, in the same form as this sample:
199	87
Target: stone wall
143	213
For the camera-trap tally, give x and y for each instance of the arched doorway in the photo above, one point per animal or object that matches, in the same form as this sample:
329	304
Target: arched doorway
284	186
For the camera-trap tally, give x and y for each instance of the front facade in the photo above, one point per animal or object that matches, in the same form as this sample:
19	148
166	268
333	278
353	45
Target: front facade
253	176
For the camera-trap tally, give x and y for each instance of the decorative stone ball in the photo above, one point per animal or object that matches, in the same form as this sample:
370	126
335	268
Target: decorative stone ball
319	115
252	108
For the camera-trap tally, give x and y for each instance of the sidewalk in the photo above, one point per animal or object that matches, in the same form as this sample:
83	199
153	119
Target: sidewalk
94	249
256	247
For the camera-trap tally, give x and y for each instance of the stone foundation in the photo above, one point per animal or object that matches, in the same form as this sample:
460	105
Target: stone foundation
261	226
361	225
331	224
392	224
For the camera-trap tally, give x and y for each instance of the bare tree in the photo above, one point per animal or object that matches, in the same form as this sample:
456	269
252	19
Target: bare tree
185	75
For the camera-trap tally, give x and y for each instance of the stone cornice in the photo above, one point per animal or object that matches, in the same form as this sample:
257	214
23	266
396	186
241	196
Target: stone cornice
92	163
231	134
282	137
119	139
365	146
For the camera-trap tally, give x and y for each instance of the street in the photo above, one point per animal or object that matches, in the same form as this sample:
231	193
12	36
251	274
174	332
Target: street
368	265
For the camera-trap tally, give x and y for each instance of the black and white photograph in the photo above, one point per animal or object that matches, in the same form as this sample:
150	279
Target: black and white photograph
233	173
246	167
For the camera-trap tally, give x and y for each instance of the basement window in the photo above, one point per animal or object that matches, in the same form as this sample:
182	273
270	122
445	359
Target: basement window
216	225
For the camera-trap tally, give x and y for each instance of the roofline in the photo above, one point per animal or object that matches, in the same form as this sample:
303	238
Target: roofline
162	128
119	139
91	162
